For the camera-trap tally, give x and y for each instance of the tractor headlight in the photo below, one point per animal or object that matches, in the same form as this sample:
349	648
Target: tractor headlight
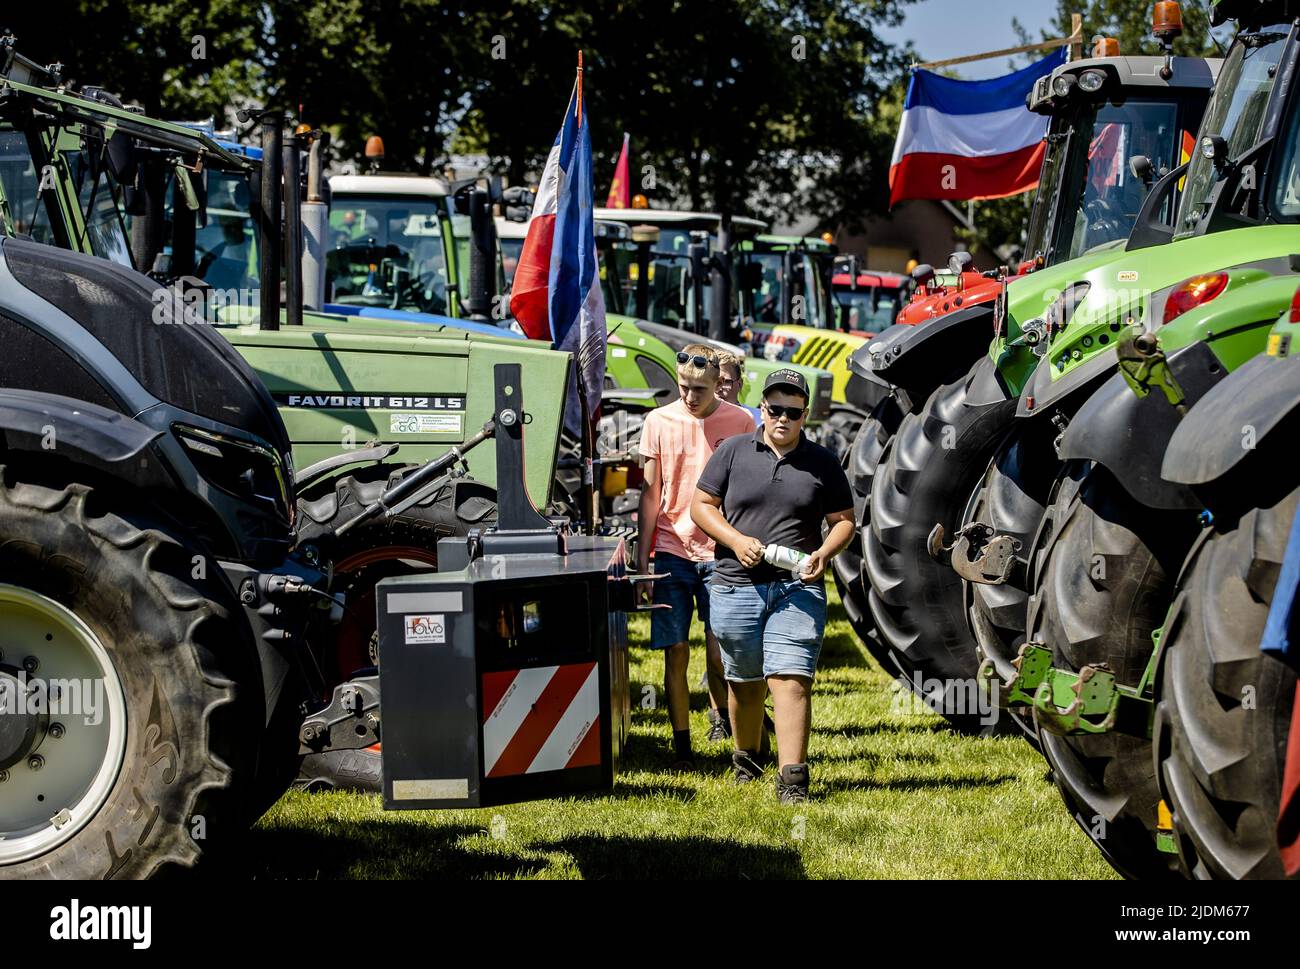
1092	81
243	469
1063	85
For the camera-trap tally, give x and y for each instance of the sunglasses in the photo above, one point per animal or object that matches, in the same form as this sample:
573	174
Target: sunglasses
777	411
697	360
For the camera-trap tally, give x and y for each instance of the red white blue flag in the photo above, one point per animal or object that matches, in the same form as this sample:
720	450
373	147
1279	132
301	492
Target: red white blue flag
963	140
556	293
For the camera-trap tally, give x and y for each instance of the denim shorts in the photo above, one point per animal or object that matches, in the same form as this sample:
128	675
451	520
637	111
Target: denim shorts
684	587
769	629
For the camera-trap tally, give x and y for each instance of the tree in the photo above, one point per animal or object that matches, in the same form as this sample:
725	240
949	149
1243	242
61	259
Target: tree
743	105
176	58
1130	24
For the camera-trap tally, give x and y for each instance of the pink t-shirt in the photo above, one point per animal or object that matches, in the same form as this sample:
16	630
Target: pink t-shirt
683	444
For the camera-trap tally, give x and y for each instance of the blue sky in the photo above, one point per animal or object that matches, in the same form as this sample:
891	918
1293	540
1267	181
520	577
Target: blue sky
953	28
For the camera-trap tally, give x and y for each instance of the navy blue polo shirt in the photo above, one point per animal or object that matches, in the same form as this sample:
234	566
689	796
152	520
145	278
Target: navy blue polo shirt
777	500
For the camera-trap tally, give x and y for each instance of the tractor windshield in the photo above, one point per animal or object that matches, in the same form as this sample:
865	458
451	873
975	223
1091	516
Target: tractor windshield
870	308
1236	114
1100	197
388	252
667	279
225	247
790	284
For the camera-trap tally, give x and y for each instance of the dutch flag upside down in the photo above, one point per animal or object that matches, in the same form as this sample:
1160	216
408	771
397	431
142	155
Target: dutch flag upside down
969	139
556	293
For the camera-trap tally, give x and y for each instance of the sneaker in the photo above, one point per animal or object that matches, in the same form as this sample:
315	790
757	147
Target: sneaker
792	784
719	727
745	765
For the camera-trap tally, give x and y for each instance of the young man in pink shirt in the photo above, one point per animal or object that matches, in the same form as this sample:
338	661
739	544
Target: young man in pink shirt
677	441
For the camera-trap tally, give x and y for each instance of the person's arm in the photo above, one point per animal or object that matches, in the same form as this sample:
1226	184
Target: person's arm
648	514
706	511
837	540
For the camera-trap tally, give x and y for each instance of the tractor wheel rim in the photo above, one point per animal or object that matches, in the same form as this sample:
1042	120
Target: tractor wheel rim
65	774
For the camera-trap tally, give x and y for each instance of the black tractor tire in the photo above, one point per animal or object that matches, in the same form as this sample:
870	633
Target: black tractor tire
1012	499
1103	571
860	464
1220	758
928	473
374	550
840	430
184	656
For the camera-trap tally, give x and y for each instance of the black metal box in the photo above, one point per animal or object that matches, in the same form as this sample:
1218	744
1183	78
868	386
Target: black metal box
505	680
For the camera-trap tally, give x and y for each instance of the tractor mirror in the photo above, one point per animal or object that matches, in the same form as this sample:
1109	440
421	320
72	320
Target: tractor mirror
1142	169
121	158
517	203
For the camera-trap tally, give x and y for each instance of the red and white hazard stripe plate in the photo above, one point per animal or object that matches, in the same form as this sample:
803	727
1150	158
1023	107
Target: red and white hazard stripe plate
541	719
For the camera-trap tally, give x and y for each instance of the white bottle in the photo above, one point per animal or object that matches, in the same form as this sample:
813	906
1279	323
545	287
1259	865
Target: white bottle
785	558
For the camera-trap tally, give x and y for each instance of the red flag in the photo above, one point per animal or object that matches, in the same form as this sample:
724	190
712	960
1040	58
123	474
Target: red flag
620	190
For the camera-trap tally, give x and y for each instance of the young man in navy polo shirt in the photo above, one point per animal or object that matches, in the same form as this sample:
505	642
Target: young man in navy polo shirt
772	487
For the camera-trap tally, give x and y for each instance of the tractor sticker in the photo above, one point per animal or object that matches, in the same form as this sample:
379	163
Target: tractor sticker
427	628
380	401
1127	276
424	424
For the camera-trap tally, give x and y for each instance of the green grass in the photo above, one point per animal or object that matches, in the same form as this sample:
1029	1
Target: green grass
895	795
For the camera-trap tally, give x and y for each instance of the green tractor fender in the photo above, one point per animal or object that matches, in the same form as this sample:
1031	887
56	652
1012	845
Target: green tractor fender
1229	445
1127	424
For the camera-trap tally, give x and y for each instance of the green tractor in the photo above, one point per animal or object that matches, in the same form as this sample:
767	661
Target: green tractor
939	402
1210	677
366	401
671	273
1108	501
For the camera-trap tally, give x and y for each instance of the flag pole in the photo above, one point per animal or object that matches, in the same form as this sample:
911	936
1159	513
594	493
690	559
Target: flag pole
588	488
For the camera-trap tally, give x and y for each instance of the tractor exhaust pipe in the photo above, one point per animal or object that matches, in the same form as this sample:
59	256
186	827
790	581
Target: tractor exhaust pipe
720	284
315	222
293	232
268	216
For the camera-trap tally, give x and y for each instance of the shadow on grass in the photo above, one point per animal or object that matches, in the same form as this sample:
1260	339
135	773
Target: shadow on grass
842	650
884	727
676	858
872	757
365	849
940	783
684	793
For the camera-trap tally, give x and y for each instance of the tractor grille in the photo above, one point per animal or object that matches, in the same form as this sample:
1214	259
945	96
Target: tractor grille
820	351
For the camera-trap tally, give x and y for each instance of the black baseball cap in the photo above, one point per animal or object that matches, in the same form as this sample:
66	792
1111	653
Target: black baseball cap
786	379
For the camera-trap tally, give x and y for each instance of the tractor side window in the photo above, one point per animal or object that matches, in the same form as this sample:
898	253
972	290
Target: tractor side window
225	247
1286	185
100	200
18	179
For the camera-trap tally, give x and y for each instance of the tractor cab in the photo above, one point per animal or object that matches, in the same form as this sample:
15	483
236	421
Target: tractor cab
392	243
867	300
